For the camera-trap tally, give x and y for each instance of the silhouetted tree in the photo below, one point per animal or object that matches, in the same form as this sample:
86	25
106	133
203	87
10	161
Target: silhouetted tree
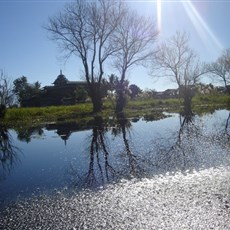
114	87
6	93
84	29
97	31
25	90
114	84
109	85
80	94
221	69
135	36
176	60
134	91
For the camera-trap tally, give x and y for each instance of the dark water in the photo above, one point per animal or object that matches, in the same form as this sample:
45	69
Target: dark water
127	170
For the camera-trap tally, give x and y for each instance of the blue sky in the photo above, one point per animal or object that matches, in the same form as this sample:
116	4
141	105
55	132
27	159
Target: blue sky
26	50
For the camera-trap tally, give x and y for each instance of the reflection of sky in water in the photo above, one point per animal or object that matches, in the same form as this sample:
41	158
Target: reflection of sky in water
42	165
152	148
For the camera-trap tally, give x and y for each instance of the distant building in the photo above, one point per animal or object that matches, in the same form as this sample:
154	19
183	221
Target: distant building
168	93
62	92
223	89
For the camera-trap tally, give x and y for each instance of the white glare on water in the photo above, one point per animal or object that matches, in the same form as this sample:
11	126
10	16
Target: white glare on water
199	200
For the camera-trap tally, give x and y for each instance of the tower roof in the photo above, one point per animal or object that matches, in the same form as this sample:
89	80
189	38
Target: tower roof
61	79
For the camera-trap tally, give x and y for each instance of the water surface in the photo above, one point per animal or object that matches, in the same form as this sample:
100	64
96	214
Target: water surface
119	174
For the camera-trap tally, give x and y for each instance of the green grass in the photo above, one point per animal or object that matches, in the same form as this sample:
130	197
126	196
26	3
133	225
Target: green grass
46	114
213	98
150	103
150	108
204	103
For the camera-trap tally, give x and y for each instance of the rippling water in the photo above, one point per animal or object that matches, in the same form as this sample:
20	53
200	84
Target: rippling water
167	174
197	200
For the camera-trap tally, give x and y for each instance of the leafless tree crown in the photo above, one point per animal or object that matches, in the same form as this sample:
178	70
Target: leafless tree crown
176	60
85	29
220	69
6	90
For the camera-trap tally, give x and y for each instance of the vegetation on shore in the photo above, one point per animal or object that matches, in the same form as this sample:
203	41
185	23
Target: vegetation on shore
140	107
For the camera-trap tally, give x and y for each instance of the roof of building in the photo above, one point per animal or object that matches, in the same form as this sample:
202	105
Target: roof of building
62	80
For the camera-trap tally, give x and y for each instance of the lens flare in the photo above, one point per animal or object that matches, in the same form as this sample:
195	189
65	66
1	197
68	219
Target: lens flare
159	15
204	31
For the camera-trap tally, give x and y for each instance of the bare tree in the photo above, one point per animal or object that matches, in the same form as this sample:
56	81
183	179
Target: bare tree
6	92
84	28
176	60
221	69
135	37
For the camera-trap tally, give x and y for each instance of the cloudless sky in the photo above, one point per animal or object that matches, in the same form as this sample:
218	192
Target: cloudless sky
25	48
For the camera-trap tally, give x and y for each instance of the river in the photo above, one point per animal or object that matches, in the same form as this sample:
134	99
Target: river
171	173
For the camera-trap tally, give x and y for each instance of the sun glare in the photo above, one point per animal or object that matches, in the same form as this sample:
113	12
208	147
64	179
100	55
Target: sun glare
205	33
159	15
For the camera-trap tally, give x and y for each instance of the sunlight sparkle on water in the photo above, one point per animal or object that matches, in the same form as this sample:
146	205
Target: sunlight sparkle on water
198	200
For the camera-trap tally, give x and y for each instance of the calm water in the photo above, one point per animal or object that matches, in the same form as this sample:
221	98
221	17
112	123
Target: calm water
113	159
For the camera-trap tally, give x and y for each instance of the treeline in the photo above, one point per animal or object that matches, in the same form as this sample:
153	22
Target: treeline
108	34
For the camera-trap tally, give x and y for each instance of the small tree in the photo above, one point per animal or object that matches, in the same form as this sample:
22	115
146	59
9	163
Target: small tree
135	37
221	69
24	90
80	94
176	60
134	91
6	91
84	29
114	86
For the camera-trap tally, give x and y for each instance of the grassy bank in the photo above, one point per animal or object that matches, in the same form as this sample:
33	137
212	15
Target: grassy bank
135	108
46	114
211	99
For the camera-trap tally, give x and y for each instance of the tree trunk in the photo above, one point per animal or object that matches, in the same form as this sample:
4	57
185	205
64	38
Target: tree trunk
2	111
96	99
121	100
187	102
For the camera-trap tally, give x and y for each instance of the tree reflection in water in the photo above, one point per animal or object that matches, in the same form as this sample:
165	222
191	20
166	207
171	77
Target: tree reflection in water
123	126
98	145
182	154
99	170
224	135
227	132
25	133
8	153
193	147
109	161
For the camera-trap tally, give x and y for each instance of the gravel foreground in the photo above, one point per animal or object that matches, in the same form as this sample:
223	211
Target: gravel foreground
197	200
